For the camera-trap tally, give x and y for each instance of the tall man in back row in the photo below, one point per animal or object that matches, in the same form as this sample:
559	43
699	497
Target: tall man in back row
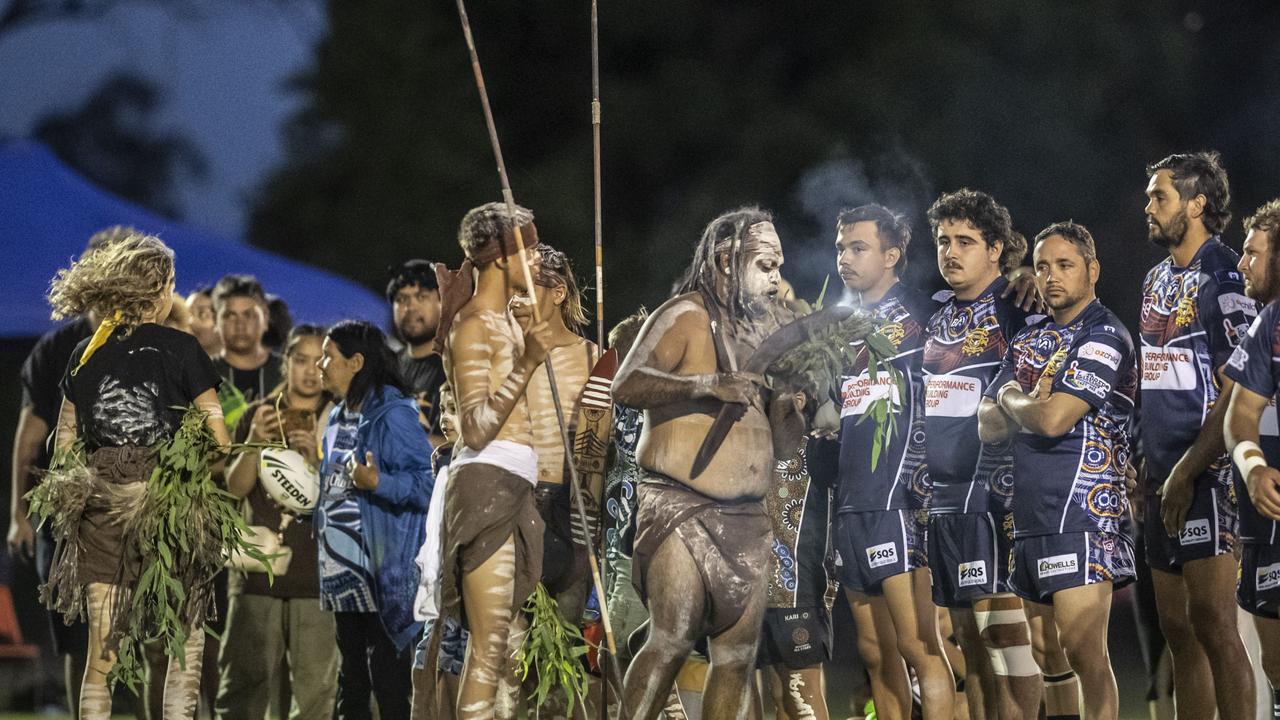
1194	314
702	543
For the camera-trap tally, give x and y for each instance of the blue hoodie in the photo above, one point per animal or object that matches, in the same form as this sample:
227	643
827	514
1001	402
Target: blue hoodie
393	515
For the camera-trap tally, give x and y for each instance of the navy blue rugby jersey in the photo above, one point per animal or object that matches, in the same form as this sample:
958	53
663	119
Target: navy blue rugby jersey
966	343
1074	483
1255	366
1192	320
900	479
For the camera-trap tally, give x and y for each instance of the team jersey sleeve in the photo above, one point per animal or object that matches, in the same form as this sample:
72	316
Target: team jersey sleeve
1227	313
1003	375
1251	363
1092	367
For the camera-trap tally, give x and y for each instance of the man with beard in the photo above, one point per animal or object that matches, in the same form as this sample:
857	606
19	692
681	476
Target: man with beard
414	295
702	543
881	511
1194	313
970	527
1252	437
1065	393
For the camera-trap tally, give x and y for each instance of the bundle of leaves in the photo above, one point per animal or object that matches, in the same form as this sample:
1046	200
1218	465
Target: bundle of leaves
552	650
184	530
816	366
59	500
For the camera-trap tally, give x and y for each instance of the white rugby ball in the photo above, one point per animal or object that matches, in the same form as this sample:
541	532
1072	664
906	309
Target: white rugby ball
288	480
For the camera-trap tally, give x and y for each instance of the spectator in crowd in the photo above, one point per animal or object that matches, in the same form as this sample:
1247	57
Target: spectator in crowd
249	368
203	320
279	324
376	487
270	620
414	295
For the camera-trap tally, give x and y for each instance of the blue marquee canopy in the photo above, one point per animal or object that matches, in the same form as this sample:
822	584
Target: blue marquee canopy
48	212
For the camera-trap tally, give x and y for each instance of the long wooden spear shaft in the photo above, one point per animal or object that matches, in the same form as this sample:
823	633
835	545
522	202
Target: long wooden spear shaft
509	198
607	661
595	156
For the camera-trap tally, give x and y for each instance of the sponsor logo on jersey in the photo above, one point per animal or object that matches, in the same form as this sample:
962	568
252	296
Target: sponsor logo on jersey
1269	576
1235	302
1168	368
857	393
1195	532
883	554
1084	380
973	573
1102	353
1239	358
1058	565
952	395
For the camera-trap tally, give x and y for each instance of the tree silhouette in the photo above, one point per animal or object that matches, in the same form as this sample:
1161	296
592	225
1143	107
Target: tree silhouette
111	141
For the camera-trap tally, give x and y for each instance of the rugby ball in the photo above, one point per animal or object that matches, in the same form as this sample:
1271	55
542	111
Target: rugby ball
288	480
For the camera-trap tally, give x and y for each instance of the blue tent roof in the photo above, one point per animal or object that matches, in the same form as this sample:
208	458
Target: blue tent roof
48	212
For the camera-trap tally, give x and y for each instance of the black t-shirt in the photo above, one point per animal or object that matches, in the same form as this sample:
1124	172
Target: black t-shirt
423	377
42	375
253	384
303	577
136	387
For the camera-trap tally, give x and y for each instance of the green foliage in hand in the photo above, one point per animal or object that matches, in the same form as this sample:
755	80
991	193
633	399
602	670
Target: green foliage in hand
553	650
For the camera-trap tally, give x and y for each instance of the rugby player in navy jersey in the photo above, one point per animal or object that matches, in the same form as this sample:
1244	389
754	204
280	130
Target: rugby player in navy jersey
970	528
1194	313
1065	394
1252	436
881	511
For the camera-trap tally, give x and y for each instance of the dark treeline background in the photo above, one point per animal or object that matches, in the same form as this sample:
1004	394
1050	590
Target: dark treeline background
803	108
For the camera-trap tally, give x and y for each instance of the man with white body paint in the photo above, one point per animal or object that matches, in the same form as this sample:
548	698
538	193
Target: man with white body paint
1194	314
1252	436
702	543
1065	394
492	538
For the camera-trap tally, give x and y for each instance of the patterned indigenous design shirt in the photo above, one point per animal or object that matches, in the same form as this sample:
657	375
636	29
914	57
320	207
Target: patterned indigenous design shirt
1192	320
1074	483
346	581
621	480
900	479
1255	366
966	343
799	509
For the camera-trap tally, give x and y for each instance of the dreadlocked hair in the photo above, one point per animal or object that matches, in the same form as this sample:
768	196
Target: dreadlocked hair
731	228
556	270
130	275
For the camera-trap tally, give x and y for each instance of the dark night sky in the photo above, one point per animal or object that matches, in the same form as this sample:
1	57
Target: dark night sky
1053	108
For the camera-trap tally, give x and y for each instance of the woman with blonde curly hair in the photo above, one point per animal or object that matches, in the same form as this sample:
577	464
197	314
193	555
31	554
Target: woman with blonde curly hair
125	392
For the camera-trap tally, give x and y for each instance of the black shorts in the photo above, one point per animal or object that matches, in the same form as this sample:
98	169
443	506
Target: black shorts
872	546
969	554
1258	591
1046	564
797	638
1211	529
70	639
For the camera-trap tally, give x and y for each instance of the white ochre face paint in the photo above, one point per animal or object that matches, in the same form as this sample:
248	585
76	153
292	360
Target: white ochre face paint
761	275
